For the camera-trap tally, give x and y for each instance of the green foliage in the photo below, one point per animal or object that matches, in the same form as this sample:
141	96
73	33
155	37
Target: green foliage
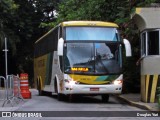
7	8
20	24
25	24
104	10
47	8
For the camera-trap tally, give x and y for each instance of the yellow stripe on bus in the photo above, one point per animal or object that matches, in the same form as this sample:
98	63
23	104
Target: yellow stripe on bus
89	23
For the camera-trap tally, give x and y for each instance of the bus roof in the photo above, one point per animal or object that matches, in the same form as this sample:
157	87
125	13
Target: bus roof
88	23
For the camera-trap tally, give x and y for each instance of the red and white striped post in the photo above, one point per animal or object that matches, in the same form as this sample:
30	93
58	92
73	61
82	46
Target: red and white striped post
24	86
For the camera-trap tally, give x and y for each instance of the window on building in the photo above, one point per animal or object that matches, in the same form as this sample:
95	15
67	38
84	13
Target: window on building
153	43
143	44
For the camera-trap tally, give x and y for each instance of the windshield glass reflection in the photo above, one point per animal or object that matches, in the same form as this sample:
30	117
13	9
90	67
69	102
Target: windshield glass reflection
92	58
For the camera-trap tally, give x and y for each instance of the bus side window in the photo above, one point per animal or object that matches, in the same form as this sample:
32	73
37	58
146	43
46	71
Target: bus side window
60	32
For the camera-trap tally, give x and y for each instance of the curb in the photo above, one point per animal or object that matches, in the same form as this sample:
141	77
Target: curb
136	104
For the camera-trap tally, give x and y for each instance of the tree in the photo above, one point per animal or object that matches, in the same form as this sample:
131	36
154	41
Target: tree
47	7
25	23
7	8
20	21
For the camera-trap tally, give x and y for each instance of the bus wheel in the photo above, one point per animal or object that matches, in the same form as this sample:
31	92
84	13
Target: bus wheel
70	98
105	98
39	88
41	92
60	96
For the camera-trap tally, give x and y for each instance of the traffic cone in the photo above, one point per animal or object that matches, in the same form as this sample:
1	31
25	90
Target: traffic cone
26	94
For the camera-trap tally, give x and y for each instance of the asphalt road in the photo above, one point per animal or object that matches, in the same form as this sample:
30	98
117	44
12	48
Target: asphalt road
81	108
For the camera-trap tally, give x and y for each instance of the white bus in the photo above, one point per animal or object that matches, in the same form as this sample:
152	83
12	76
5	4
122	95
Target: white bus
80	58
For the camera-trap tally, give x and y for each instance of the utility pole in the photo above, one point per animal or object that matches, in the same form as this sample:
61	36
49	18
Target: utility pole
6	50
7	84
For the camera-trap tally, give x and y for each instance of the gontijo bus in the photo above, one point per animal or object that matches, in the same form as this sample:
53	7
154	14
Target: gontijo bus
80	57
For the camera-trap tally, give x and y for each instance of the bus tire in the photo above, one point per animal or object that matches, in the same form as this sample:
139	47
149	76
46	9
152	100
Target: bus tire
105	98
70	98
40	92
60	97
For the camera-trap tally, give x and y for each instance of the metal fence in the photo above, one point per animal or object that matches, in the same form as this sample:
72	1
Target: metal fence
2	88
10	90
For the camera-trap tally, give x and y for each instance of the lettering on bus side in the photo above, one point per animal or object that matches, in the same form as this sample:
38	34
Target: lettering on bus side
41	63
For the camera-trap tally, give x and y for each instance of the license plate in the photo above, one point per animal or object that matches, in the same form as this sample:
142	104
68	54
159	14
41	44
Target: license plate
94	89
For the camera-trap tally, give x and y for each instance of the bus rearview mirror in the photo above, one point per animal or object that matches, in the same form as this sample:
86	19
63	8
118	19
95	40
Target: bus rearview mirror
60	46
127	47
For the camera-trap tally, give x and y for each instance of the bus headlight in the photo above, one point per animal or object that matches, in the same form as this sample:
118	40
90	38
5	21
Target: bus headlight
117	82
71	82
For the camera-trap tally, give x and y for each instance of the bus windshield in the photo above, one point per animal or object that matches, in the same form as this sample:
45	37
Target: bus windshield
92	58
92	33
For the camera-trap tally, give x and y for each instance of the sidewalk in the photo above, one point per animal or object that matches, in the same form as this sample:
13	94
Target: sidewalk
135	100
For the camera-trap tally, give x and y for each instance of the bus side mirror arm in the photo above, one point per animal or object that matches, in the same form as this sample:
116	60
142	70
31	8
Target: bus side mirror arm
60	47
127	47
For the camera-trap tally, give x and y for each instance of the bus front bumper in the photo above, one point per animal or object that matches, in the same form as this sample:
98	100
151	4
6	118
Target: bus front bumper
92	89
